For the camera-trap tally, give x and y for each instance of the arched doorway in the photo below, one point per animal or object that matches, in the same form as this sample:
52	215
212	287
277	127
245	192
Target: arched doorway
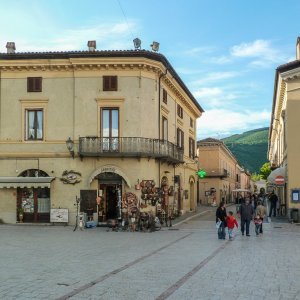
33	199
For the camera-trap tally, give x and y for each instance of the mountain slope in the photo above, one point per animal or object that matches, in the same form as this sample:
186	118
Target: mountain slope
250	148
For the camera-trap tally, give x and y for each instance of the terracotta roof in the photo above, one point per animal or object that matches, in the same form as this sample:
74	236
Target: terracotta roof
103	53
210	140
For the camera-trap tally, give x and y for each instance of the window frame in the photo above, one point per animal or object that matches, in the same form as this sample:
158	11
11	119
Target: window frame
179	111
191	148
110	109
165	96
110	83
180	138
26	118
34	84
191	123
164	134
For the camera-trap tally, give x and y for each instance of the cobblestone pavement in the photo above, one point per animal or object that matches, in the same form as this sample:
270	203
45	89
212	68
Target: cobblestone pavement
186	262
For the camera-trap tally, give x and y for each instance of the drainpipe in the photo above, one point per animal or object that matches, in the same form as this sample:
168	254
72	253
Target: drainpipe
159	85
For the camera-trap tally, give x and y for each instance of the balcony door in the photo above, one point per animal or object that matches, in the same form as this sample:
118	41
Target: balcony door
110	129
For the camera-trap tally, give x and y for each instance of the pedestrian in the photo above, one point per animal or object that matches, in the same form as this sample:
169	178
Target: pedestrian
221	217
231	221
260	213
273	200
246	212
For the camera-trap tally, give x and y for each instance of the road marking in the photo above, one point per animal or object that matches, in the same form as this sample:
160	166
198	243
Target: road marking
187	276
116	271
191	217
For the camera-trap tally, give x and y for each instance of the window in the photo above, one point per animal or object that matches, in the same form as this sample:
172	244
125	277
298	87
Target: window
34	124
110	83
191	123
180	138
165	96
164	128
110	129
191	148
179	111
34	84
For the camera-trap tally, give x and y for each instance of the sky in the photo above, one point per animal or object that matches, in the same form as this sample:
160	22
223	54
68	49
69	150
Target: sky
226	52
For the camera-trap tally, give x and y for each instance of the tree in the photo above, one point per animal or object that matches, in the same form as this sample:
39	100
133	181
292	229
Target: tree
265	170
255	177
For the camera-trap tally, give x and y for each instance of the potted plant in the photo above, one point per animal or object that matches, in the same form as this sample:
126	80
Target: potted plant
21	214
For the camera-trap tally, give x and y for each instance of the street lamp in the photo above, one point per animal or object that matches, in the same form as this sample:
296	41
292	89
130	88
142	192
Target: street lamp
70	146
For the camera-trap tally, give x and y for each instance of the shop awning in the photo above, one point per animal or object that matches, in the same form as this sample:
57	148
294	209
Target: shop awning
277	172
21	182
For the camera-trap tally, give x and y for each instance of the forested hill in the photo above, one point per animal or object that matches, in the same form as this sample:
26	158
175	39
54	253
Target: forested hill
250	148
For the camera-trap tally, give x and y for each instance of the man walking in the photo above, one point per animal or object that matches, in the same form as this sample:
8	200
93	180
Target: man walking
246	211
273	199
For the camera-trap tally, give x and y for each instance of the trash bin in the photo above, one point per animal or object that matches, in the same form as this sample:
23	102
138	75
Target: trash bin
295	215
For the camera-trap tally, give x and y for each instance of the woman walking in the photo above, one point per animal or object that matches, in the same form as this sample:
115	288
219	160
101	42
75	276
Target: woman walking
221	217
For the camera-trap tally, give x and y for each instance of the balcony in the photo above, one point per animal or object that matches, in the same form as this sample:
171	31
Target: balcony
130	147
222	173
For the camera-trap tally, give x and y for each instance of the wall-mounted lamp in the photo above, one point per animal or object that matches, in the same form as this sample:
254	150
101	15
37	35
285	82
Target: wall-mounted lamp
155	46
70	146
137	43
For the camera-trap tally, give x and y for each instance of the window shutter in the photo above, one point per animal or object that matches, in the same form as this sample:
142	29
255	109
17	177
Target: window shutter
182	140
114	83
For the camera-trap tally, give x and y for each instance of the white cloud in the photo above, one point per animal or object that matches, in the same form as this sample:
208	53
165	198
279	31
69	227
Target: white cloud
199	51
108	36
215	76
262	51
222	122
221	60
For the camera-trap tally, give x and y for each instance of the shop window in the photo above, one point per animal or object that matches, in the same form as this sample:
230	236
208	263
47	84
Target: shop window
191	148
34	124
165	96
179	111
34	84
164	128
180	138
110	83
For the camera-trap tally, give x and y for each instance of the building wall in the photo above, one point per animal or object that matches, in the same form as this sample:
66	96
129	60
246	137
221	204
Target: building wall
71	101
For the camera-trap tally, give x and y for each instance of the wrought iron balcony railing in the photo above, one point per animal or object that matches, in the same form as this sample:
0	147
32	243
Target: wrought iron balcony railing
130	147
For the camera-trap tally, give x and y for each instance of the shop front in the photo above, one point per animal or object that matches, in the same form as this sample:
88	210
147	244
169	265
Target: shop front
32	188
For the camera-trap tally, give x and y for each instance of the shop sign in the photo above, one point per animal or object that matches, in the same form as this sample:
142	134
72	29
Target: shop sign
279	180
108	169
70	177
59	215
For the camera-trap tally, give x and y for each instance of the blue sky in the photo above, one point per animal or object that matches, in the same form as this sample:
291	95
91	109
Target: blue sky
225	51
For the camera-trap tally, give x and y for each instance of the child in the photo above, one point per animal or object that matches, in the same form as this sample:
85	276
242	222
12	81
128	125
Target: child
231	221
258	223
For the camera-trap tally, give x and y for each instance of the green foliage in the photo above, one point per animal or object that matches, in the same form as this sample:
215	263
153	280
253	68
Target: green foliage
265	170
255	177
250	148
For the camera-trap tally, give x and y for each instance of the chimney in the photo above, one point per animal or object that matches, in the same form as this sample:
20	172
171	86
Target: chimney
11	47
298	48
92	45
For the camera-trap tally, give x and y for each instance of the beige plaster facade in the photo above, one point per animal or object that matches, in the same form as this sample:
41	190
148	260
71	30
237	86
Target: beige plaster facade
223	173
284	142
71	103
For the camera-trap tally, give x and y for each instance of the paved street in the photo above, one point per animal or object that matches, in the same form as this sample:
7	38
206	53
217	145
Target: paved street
187	262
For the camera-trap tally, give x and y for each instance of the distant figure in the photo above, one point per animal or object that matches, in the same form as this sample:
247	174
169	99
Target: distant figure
260	214
231	221
221	216
273	200
246	212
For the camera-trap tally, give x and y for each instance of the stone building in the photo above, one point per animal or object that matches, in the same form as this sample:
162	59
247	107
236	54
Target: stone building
284	142
223	173
115	129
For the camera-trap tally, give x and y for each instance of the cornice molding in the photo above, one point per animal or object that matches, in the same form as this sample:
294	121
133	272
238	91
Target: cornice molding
94	66
291	74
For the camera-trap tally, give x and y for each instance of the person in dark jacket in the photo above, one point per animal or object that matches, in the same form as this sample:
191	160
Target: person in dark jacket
246	211
221	216
273	199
